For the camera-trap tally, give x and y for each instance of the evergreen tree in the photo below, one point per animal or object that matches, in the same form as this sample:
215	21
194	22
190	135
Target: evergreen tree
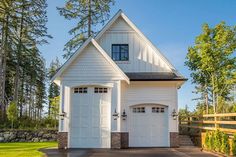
53	90
22	68
88	13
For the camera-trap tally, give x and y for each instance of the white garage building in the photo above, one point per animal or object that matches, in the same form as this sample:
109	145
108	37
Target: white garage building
118	91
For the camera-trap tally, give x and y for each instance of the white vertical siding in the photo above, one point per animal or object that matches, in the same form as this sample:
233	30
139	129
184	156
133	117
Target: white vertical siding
142	57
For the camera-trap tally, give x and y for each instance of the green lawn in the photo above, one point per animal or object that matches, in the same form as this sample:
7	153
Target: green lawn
24	149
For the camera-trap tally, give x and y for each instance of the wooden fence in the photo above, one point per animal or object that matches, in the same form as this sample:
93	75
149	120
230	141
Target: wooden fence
225	122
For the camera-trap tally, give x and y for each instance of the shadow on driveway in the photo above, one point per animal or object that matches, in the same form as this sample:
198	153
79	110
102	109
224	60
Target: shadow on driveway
131	152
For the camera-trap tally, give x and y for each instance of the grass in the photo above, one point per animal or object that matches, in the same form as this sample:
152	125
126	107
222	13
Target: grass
24	149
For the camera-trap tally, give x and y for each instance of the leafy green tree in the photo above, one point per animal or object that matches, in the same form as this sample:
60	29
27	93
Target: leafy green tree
212	62
12	113
88	13
55	110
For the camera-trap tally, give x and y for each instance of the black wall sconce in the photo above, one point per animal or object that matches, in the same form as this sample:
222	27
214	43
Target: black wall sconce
115	115
124	115
62	115
174	114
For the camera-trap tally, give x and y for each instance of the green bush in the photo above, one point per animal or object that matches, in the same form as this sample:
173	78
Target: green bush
225	147
218	141
207	144
211	141
234	145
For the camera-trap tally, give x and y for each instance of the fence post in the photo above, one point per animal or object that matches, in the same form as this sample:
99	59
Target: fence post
215	119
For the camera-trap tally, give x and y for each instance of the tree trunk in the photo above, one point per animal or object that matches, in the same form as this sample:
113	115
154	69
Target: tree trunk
213	94
22	96
3	60
18	55
89	18
206	102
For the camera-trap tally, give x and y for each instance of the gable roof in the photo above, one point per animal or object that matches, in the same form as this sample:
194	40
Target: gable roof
132	25
56	77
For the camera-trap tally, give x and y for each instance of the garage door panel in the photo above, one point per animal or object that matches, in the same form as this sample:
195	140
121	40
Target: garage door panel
96	122
96	132
90	117
149	128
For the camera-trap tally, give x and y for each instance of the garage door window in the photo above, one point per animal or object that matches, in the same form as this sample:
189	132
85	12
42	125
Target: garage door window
158	109
139	110
81	90
100	90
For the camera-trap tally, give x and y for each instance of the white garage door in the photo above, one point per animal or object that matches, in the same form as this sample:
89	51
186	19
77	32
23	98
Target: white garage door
148	126
90	112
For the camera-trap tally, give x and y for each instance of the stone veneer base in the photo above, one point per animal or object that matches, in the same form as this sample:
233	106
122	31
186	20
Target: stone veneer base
174	139
62	140
119	140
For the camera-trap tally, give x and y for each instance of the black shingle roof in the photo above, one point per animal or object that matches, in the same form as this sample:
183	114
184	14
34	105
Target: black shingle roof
154	76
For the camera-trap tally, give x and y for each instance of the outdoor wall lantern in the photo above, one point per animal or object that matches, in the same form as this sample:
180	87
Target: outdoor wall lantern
124	115
115	115
62	115
174	114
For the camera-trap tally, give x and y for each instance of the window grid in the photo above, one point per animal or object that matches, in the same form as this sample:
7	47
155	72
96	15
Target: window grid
158	109
100	90
120	52
139	110
81	90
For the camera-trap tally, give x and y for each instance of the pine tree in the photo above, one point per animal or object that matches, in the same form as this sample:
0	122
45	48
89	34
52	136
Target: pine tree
88	13
22	68
53	90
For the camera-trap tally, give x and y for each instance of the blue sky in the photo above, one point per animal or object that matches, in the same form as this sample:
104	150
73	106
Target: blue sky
171	25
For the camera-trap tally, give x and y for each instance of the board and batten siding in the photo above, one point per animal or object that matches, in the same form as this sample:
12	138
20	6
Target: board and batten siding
162	93
90	65
142	57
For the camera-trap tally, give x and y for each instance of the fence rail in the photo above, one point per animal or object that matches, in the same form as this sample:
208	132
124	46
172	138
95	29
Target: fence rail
225	122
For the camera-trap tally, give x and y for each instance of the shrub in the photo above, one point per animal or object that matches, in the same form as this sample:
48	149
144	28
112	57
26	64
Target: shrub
217	140
234	145
225	147
207	145
211	141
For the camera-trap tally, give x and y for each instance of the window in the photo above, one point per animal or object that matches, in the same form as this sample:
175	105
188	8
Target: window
158	109
100	90
155	109
81	90
139	110
120	52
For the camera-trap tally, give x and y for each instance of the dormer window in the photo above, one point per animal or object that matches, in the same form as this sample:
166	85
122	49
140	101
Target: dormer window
120	52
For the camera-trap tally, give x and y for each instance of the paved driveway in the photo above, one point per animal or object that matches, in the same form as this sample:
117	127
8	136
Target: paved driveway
131	152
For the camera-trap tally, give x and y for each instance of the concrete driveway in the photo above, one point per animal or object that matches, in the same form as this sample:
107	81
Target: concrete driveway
131	152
